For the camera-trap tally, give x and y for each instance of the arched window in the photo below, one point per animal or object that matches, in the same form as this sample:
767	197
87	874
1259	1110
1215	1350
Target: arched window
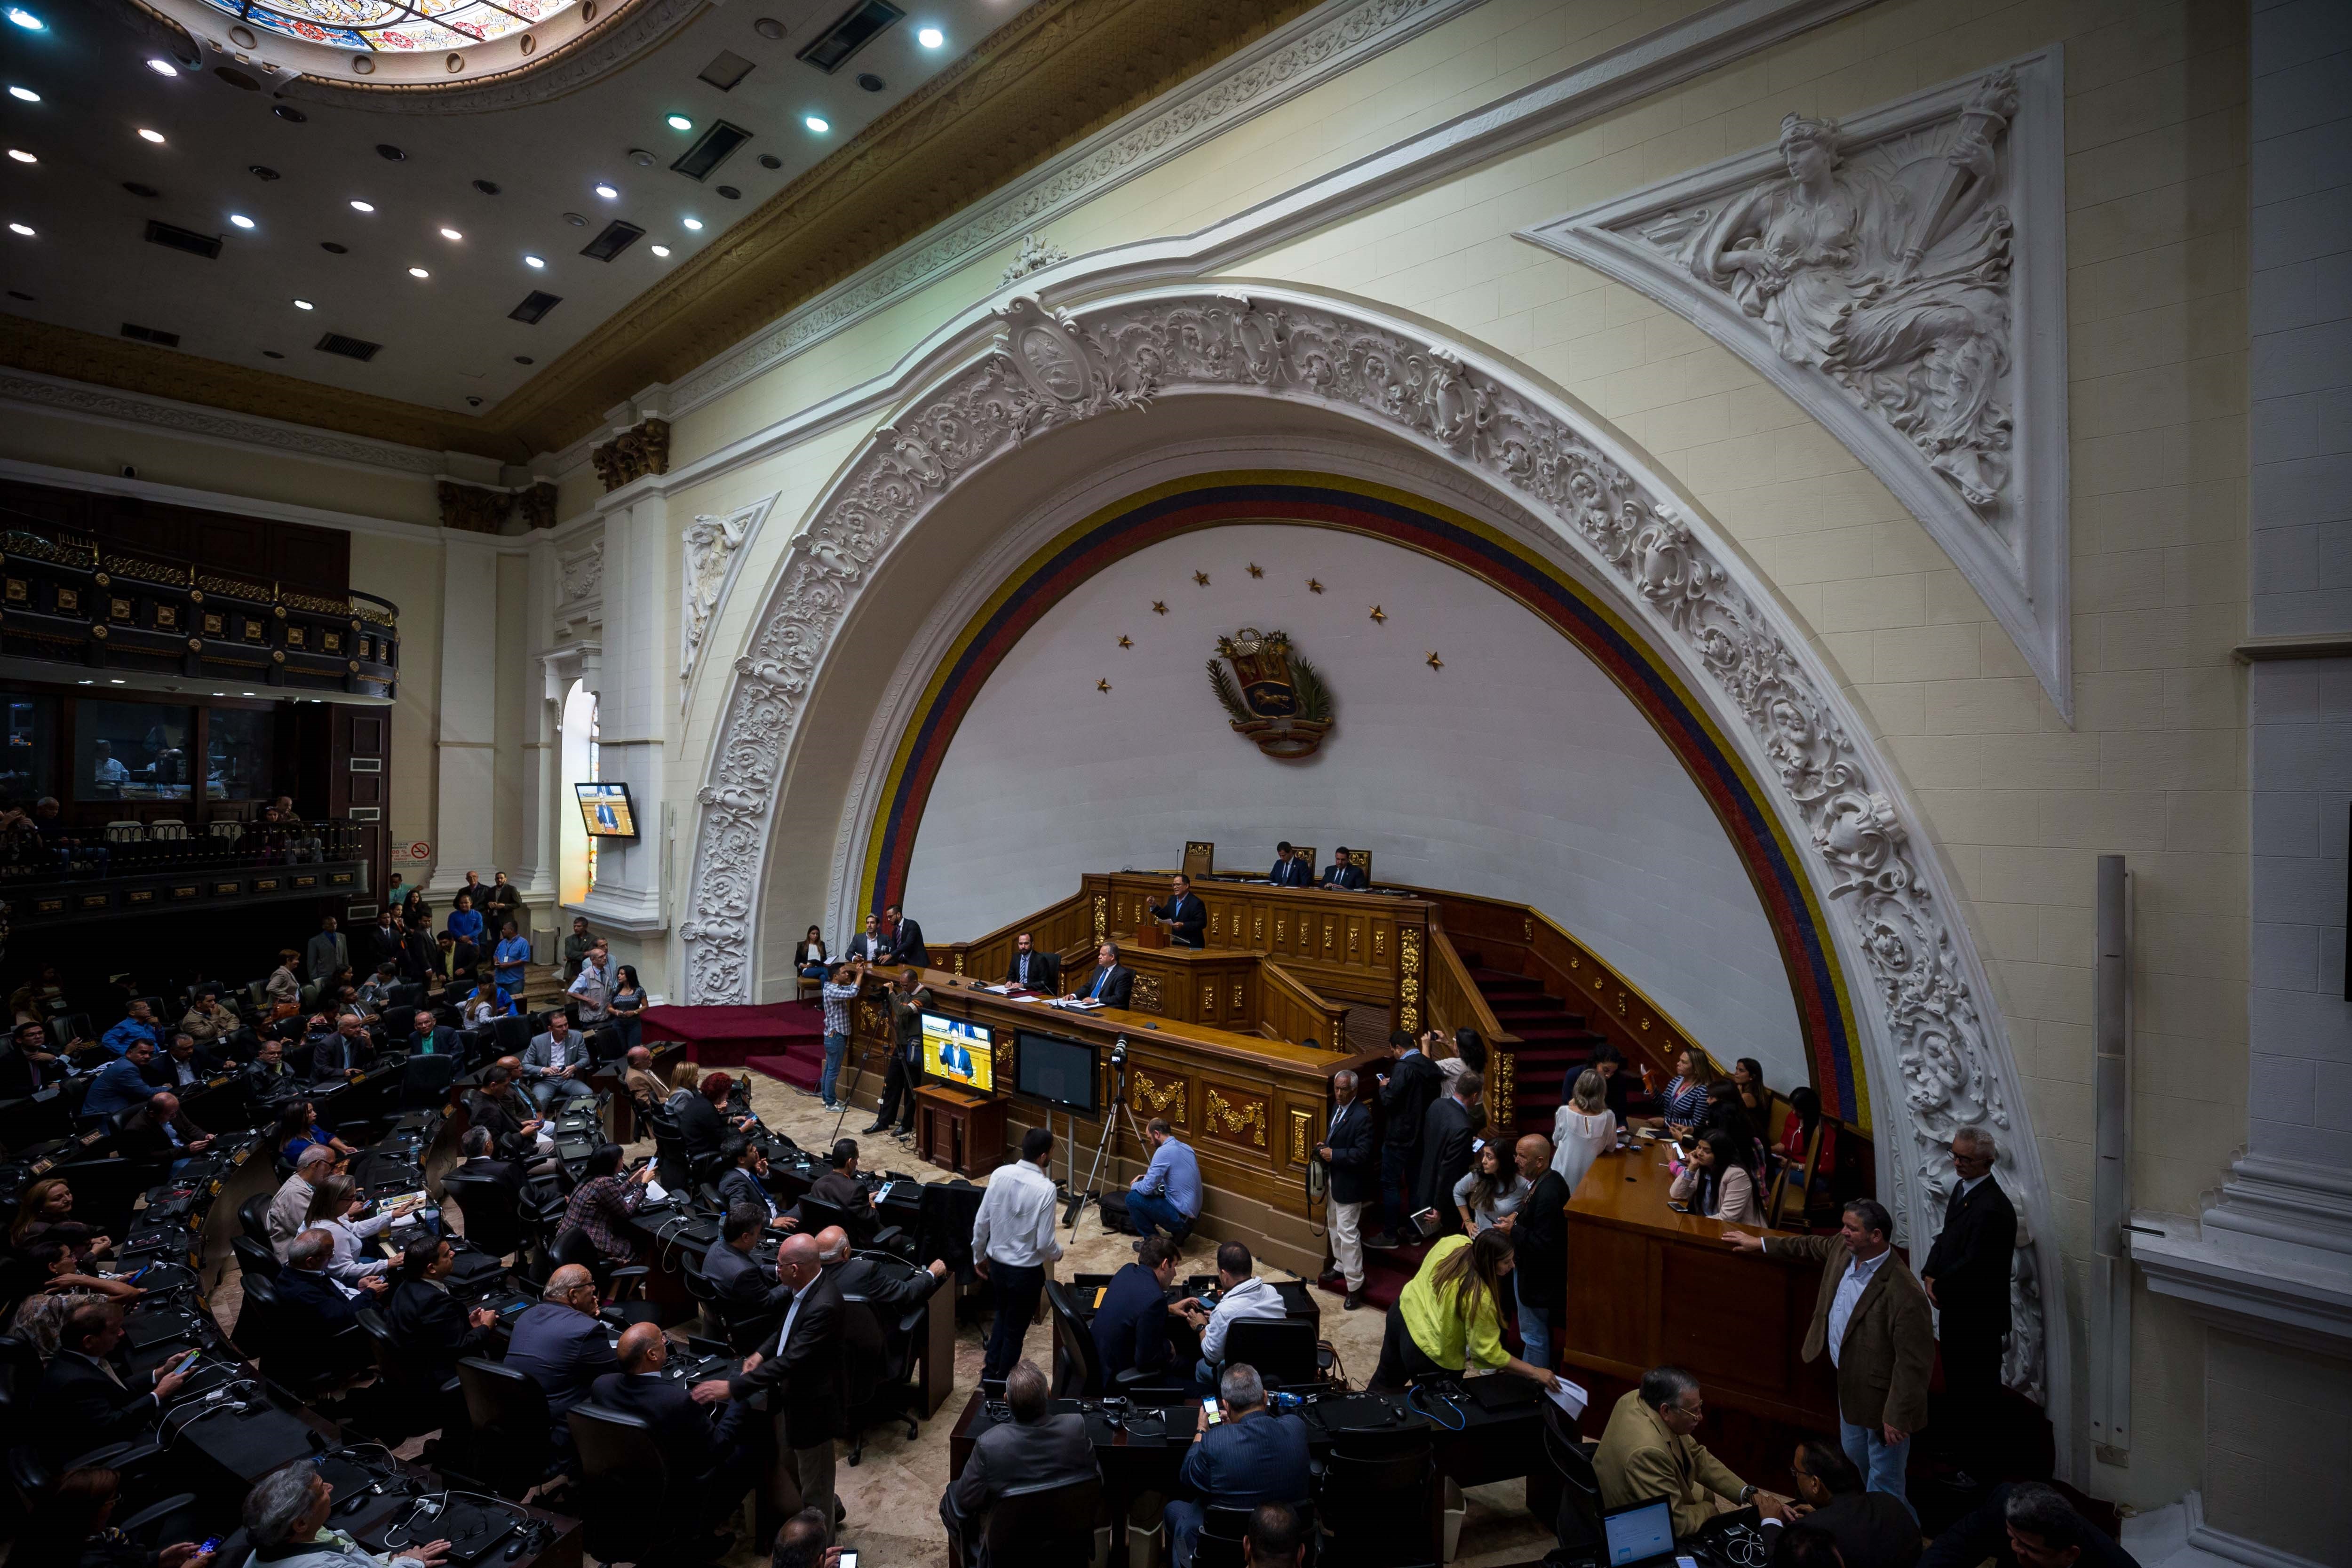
576	852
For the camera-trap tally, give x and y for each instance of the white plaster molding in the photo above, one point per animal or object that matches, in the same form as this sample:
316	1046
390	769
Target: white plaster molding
713	551
1902	276
250	432
2272	1258
2178	1536
1938	1061
1036	254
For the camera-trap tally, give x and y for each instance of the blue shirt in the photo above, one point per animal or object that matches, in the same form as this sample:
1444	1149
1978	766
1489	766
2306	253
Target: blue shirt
1174	1173
512	954
121	1037
466	925
117	1087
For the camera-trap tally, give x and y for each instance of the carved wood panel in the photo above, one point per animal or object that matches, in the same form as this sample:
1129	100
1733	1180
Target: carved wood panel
1235	1116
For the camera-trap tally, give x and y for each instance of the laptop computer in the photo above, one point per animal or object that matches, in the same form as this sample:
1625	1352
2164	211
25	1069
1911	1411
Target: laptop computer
1637	1534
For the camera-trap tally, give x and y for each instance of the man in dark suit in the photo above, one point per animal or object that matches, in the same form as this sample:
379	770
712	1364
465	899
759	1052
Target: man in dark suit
1109	982
427	1327
184	1065
743	1289
907	997
314	1309
869	944
1130	1327
743	1183
1407	1090
1870	1528
1539	1231
1031	970
1448	1131
1343	873
700	1123
1186	916
82	1402
2026	1525
1252	1455
479	1160
268	1079
705	1456
840	1186
560	1345
905	938
428	1036
804	1370
1036	1448
1289	871
1350	1156
1967	1279
160	1132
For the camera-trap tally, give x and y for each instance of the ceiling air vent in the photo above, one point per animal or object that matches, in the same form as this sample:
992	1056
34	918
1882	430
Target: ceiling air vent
618	237
535	304
857	27
725	69
204	245
349	348
150	335
714	147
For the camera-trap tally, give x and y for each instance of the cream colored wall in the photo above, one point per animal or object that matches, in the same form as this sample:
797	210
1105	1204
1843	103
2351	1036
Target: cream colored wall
509	664
409	574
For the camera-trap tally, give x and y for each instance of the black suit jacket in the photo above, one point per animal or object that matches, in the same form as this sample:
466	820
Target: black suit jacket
431	1331
1355	1163
1872	1529
1130	1327
842	1191
1985	1533
692	1443
699	1126
1116	991
907	944
1044	972
505	1172
143	1138
889	1291
312	1310
1292	874
562	1351
1190	916
1540	1234
76	1407
741	1283
505	1131
807	1364
1971	1261
738	1185
1414	1083
1446	1129
1349	878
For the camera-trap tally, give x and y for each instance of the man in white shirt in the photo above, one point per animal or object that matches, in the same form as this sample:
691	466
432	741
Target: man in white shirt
1012	1245
290	1209
1241	1296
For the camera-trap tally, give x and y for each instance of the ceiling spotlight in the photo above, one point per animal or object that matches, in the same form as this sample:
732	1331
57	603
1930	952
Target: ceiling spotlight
680	122
22	156
661	250
451	234
154	136
532	261
304	305
25	229
26	20
24	95
419	272
818	123
240	220
362	206
608	193
930	37
162	67
694	223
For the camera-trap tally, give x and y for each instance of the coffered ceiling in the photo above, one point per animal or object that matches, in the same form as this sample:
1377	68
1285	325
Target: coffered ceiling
911	133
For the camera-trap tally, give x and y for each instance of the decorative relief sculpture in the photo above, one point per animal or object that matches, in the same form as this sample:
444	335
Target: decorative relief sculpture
1919	984
1281	702
581	577
711	546
473	508
642	449
1036	254
1900	274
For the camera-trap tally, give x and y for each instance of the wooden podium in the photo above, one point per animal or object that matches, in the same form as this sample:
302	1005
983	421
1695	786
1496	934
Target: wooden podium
1151	933
958	1131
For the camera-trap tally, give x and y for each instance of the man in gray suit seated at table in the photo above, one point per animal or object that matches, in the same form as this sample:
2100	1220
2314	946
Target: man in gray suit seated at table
1036	1448
555	1064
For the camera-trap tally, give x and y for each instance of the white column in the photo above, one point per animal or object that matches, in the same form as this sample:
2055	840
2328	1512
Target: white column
534	872
627	899
466	740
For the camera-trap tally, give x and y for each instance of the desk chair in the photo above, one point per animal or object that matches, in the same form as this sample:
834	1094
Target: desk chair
1045	1527
1225	1530
252	1217
255	1259
1283	1349
572	1245
492	1211
627	1502
1569	1459
403	1404
424	1081
1792	1185
511	1429
743	1331
864	1230
1385	1510
880	1357
1077	1362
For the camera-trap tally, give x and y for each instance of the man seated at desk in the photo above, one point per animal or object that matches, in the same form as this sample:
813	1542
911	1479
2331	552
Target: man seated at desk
741	1285
83	1403
704	1454
1166	1196
1647	1451
314	1307
1036	1448
1130	1327
1241	1296
427	1327
1343	874
269	1078
1031	970
744	1181
183	1064
561	1346
1109	983
840	1185
162	1132
1873	1528
1250	1456
1291	868
1186	917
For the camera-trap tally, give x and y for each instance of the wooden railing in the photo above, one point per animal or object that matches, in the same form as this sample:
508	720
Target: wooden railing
1455	1002
1290	1009
1064	929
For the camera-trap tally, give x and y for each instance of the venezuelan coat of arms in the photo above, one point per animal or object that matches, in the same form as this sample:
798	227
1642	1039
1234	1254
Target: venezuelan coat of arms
1272	694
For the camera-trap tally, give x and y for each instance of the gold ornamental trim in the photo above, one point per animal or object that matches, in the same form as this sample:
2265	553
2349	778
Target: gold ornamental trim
1302	1136
1238	1120
1160	1096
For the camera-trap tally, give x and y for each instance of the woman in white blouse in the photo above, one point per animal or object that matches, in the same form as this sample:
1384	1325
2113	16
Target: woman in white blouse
1716	1183
1490	1190
1583	1128
482	1005
333	1207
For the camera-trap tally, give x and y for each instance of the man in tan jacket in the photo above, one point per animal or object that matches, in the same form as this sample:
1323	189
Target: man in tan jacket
1647	1451
1872	1316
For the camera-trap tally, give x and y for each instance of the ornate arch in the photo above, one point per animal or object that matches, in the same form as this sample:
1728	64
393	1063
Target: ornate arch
1939	1059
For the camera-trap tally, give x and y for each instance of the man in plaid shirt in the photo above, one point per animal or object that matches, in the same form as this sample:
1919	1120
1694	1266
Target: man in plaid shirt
838	995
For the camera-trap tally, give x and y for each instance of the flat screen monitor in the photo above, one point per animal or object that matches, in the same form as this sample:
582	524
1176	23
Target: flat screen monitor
605	811
960	1052
1058	1071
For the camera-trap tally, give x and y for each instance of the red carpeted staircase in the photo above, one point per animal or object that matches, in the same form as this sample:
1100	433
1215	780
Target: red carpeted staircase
1552	1039
1385	1273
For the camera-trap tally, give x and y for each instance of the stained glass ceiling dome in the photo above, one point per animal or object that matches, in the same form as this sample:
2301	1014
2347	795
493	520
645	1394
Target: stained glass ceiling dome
392	26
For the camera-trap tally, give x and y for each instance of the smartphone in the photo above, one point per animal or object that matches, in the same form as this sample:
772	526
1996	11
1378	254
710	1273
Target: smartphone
211	1544
849	1557
1209	1413
185	1362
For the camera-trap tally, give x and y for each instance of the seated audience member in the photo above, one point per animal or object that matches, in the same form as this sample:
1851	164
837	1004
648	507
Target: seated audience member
428	1036
1796	1129
1241	1296
840	1186
1491	1190
344	1048
290	1209
1252	1455
685	1084
1448	1318
1583	1128
121	1084
1031	970
138	1024
1871	1529
809	959
1717	1184
1684	1100
287	1521
81	1402
1276	1537
801	1543
2025	1525
744	1180
336	1208
46	1214
1647	1451
209	1021
737	1281
28	1064
268	1079
1343	873
888	1289
480	1159
555	1064
603	1201
1130	1327
708	1464
1109	982
183	1064
1167	1196
313	1306
72	1528
160	1132
1036	1448
560	1345
481	1006
639	1082
427	1327
700	1123
492	1107
297	1129
53	1265
375	991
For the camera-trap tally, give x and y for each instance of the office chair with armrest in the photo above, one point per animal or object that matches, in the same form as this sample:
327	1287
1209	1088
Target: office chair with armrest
880	1357
1385	1511
743	1331
510	1034
864	1230
628	1500
614	1281
511	1429
405	1401
254	1258
252	1217
1283	1350
1045	1527
424	1081
491	1210
1567	1458
1224	1530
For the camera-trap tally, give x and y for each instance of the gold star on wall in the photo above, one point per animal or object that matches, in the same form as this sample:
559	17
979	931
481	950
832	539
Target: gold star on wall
1434	662
1313	586
1126	642
1256	570
1380	615
1158	606
1104	685
1201	578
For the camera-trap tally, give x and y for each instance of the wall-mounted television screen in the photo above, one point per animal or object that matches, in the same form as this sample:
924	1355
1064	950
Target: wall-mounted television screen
605	811
960	1052
1057	1071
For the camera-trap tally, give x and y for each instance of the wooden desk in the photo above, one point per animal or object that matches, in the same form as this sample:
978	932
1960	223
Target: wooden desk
958	1131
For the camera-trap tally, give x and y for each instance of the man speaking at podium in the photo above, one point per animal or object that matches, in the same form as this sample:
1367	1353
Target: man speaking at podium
1185	915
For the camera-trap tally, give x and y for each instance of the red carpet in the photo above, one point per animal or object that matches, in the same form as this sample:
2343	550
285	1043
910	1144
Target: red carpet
1385	1273
733	1036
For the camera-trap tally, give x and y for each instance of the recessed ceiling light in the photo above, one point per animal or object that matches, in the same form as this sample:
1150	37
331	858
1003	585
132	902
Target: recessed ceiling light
451	234
162	67
607	192
154	136
25	94
266	354
114	680
25	229
817	123
661	250
332	248
22	156
288	113
680	122
362	206
768	27
419	272
522	359
930	37
694	223
240	220
532	261
25	19
304	305
770	161
262	172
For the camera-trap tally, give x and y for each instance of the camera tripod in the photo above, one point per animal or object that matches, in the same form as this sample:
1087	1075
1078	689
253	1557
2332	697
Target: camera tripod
1119	1109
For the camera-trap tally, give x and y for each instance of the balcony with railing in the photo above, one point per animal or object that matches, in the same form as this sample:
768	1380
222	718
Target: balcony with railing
50	876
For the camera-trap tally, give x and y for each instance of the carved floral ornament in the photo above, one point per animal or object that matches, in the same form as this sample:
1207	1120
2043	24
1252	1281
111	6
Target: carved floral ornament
713	547
1936	1055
